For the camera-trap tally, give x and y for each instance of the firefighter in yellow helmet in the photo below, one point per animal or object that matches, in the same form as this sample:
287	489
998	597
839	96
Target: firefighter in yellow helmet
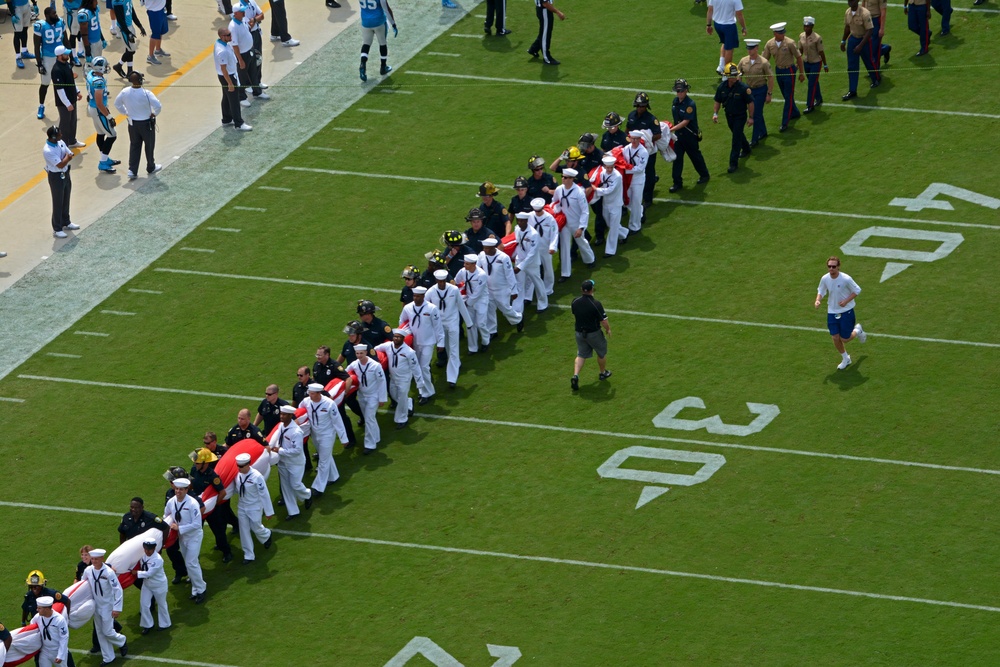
35	582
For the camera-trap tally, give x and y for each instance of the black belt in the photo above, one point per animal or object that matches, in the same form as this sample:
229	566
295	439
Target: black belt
587	332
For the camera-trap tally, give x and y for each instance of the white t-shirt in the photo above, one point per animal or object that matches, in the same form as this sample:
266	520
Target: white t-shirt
838	288
724	11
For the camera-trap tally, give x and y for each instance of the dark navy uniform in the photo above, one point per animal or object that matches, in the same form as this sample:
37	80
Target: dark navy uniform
323	373
535	186
735	100
130	528
375	332
687	139
455	255
405	295
495	219
647	121
350	355
609	140
251	432
587	164
299	391
5	636
475	239
30	605
222	515
518	205
270	413
338	372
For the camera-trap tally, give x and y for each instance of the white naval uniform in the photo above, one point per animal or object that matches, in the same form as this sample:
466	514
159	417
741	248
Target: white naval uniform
450	307
527	256
324	424
611	193
254	501
403	369
477	300
637	157
572	202
291	465
186	517
548	232
425	325
154	587
54	634
108	597
371	392
502	284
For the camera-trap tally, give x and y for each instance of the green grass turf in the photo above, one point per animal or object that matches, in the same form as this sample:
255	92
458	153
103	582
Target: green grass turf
764	515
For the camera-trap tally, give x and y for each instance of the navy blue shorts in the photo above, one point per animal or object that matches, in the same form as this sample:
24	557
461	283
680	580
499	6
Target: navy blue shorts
158	24
728	36
841	324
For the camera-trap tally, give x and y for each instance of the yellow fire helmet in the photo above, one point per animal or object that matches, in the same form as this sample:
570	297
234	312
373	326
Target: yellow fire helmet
36	578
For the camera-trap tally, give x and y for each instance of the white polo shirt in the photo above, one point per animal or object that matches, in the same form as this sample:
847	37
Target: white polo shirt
224	56
242	39
724	11
54	154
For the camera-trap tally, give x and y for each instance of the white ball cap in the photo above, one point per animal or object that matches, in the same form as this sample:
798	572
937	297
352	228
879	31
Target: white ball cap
490	242
470	259
808	20
420	289
779	27
570	173
608	160
45	601
61	50
441	274
314	386
180	483
243	460
538	203
287	410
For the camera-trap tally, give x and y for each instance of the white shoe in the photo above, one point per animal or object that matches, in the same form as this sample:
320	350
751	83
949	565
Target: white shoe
71	227
245	127
156	168
275	38
862	336
161	52
245	103
291	42
263	86
171	17
262	96
3	254
78	144
131	175
844	364
60	234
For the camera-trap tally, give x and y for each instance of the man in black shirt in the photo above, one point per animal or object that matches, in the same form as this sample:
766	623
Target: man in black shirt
211	443
244	430
67	96
138	520
299	390
269	409
685	126
541	184
642	119
36	589
735	96
203	476
590	158
456	249
519	203
590	319
354	329
376	331
476	234
325	370
613	136
494	214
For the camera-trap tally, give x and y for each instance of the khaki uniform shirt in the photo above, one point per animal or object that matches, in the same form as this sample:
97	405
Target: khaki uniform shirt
875	7
757	74
783	55
860	22
811	46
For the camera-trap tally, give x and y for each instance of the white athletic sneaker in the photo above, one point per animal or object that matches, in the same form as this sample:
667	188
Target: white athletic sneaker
156	168
862	336
844	364
262	96
291	42
171	17
245	103
131	175
71	226
275	38
60	234
244	127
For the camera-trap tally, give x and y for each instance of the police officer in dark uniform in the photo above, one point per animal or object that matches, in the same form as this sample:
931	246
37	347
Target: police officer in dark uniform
456	248
494	214
541	184
409	275
735	97
244	430
685	126
268	412
476	234
299	392
642	119
613	136
326	369
138	520
376	331
353	330
520	202
203	476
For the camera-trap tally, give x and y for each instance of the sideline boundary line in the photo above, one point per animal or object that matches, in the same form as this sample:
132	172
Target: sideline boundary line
638	313
686	202
152	658
560	429
554	561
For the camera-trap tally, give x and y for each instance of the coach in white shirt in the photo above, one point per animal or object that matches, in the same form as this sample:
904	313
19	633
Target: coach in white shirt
840	319
226	67
141	108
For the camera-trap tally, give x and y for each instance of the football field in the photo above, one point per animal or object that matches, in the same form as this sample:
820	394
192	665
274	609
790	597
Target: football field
727	497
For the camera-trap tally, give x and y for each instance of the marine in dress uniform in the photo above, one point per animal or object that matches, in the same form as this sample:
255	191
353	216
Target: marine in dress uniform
786	60
286	442
858	28
918	21
451	308
371	391
737	99
325	423
254	501
813	57
403	370
149	570
757	76
685	128
642	119
879	10
472	281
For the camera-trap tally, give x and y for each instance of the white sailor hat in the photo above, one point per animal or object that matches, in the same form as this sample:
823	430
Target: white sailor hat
44	601
522	215
608	160
420	289
808	20
470	258
538	203
440	274
399	332
314	386
151	544
361	348
490	242
243	459
779	27
180	483
287	410
97	553
752	43
569	173
635	134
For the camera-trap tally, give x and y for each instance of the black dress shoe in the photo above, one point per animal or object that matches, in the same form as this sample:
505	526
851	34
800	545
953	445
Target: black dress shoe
534	54
875	84
176	580
745	154
95	649
316	494
226	558
501	33
423	400
921	52
606	255
452	385
123	650
347	445
144	631
675	188
488	30
290	517
367	451
849	96
944	33
333	4
754	143
279	501
400	426
563	279
808	110
552	61
591	265
783	128
361	423
520	326
309	502
247	561
886	55
267	544
732	169
703	180
409	413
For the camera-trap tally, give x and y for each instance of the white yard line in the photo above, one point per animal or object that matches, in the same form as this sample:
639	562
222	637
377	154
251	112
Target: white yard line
455	34
273	188
378	111
638	313
442	55
205	250
62	355
250	208
145	291
122	313
91	333
8	399
231	230
168	661
392	91
358	130
670	93
323	148
116	385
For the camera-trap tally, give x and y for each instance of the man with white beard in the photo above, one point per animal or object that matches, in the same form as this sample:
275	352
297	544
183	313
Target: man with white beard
502	285
108	597
286	442
371	393
570	200
448	300
324	424
184	513
477	300
428	334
